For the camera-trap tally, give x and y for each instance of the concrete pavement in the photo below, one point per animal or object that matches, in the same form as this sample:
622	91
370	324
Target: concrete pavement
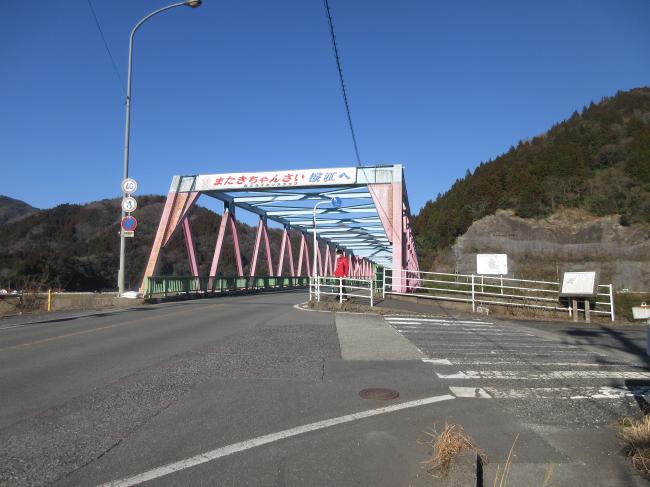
101	398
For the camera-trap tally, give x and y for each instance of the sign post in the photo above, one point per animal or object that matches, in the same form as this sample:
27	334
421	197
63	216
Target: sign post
129	204
579	285
643	313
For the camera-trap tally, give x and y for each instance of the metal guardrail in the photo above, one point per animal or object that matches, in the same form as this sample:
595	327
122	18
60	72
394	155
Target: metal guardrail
494	290
342	288
172	285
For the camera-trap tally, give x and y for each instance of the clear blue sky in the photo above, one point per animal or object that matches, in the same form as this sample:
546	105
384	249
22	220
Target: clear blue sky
252	85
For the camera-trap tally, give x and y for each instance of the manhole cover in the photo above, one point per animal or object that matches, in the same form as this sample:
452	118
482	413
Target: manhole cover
379	394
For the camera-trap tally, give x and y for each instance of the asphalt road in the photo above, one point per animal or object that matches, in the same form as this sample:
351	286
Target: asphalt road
248	390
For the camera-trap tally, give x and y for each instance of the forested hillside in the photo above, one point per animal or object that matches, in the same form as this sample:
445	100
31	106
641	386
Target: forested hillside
598	160
76	247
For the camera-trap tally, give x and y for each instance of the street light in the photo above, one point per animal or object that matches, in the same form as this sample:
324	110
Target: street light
127	129
336	203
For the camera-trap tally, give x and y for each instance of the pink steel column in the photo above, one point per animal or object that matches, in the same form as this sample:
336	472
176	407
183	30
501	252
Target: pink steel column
292	268
191	248
398	238
326	271
217	249
283	244
269	263
256	248
320	260
152	265
304	252
177	207
286	244
235	241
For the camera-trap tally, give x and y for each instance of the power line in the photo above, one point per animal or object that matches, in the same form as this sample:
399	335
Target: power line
108	51
340	70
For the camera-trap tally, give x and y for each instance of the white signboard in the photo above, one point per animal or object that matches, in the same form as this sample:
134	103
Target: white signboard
129	186
492	264
129	204
277	179
579	284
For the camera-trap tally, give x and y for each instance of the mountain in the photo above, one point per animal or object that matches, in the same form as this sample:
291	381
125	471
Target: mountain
12	210
76	247
597	161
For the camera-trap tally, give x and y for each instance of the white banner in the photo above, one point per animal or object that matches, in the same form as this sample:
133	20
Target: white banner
277	179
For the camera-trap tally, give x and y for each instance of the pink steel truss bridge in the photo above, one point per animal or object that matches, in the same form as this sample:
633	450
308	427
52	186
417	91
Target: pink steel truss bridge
372	225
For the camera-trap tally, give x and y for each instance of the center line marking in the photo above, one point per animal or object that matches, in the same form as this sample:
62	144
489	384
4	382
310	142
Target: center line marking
263	440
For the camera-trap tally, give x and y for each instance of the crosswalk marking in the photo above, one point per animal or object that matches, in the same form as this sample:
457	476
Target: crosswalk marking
556	374
483	360
603	392
473	392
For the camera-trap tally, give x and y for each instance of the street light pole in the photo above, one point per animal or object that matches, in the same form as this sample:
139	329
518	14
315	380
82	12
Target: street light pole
315	271
127	128
335	202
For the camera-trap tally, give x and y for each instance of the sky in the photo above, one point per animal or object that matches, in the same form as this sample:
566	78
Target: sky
253	86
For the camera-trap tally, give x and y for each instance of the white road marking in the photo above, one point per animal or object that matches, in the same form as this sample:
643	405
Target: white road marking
464	331
10	327
606	392
557	374
438	361
473	392
518	362
435	320
263	440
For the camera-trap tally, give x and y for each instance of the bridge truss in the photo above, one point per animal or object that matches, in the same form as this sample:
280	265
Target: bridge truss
372	226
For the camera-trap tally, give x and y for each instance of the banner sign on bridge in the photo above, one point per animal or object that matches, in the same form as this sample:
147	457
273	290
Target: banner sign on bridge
277	179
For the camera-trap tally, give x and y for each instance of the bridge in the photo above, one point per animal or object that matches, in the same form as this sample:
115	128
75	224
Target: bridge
372	225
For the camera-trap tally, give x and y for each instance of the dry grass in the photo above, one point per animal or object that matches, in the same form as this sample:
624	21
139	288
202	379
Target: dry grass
501	477
636	434
447	445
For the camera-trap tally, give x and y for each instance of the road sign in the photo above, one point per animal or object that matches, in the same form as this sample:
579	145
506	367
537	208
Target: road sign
129	204
128	234
129	223
129	186
579	284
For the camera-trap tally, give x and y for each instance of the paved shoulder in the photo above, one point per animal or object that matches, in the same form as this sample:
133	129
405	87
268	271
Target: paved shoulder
369	337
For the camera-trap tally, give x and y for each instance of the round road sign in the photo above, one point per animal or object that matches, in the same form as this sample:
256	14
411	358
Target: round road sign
129	204
129	223
129	186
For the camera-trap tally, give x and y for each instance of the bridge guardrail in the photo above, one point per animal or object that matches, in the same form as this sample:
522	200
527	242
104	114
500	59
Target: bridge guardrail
172	285
342	288
494	290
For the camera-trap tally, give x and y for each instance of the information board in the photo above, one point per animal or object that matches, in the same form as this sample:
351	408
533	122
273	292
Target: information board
492	264
579	284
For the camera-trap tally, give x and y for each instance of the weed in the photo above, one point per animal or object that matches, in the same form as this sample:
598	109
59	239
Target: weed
447	445
636	434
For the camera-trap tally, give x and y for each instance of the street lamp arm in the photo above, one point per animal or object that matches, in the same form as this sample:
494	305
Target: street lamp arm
147	17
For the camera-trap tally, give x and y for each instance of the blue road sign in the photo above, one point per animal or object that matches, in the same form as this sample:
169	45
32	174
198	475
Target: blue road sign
129	223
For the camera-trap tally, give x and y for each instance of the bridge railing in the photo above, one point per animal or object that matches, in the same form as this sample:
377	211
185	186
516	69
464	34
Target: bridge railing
174	285
343	288
491	290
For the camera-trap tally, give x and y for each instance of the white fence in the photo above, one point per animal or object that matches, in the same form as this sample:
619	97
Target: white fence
491	290
342	288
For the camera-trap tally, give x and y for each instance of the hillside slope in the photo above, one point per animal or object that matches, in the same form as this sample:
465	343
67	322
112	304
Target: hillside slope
76	247
12	210
568	239
597	161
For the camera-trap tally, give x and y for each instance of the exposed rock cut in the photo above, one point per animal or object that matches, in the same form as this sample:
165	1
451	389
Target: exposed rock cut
570	239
